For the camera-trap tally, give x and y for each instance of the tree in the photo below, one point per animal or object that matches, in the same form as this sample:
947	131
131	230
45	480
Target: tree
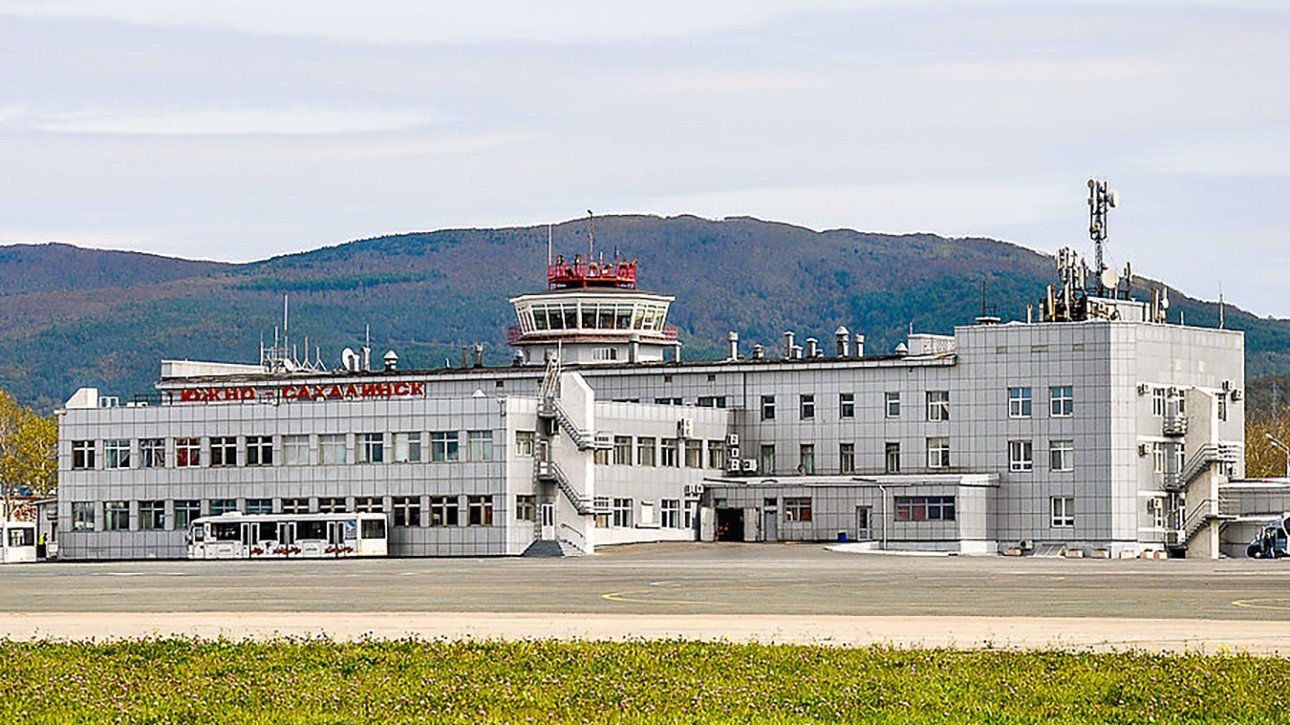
28	451
1262	458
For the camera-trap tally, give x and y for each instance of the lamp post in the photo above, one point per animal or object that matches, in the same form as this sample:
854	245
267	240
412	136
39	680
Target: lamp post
1283	448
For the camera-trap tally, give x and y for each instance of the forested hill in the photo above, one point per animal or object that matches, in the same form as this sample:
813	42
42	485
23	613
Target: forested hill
71	317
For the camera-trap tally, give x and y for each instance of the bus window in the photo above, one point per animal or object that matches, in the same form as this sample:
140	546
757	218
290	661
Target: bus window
373	528
311	530
226	532
199	533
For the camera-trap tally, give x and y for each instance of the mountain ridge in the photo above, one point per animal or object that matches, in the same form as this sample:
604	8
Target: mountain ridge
426	293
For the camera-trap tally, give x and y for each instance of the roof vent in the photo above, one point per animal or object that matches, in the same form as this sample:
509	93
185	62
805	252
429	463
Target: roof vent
391	361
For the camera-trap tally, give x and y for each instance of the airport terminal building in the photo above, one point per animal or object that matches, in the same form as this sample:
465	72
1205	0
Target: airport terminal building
1099	427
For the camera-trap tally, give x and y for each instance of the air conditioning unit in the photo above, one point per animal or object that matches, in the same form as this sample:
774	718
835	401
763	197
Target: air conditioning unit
749	465
1142	449
734	465
732	453
1228	386
1153	505
1143	388
604	441
732	439
1237	394
685	428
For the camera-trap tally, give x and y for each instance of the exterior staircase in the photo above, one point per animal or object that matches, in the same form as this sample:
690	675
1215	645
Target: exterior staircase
551	471
552	549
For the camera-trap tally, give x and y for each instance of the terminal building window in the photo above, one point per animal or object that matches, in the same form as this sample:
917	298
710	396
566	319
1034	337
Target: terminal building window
152	515
602	509
259	450
152	452
694	454
524	444
670	513
82	516
259	505
369	505
186	511
1061	401
938	452
768	407
481	445
223	506
295	505
645	451
622	450
1222	407
670	458
1063	511
797	509
924	508
224	451
1158	402
1021	456
806	459
371	447
807	407
82	455
188	452
407	510
443	510
891	457
716	454
407	447
116	516
1020	402
116	454
1157	457
622	512
893	404
295	450
445	445
847	457
938	405
712	401
331	505
480	510
1061	455
846	405
526	508
768	458
689	512
601	456
331	448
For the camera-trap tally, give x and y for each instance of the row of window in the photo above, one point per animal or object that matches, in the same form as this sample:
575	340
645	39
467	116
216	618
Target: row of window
305	449
926	508
1061	456
404	511
665	452
1061	404
622	513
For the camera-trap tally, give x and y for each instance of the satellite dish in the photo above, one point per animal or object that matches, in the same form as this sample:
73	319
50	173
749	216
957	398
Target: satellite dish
1110	279
1113	197
349	360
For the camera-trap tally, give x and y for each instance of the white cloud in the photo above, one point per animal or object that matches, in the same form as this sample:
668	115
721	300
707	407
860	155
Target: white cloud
241	121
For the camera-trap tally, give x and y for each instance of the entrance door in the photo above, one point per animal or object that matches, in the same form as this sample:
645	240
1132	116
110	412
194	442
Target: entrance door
770	524
862	523
248	539
548	522
335	536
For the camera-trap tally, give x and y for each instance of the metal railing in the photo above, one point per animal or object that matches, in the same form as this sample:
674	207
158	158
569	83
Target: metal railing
551	471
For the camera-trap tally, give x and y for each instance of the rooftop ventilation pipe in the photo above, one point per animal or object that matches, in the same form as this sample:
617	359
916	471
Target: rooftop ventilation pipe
759	352
479	355
859	345
732	339
812	347
795	353
391	361
842	335
788	345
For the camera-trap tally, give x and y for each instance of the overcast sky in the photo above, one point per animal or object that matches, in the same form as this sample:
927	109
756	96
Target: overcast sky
236	130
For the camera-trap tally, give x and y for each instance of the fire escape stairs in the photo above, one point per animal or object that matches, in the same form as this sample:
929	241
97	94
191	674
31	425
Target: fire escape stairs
551	471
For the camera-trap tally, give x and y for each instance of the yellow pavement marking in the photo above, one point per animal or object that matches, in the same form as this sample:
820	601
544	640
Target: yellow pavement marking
1266	603
624	598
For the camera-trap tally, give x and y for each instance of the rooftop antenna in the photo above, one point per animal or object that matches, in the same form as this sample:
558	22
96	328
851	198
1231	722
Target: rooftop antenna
286	327
1220	304
1101	199
591	236
549	233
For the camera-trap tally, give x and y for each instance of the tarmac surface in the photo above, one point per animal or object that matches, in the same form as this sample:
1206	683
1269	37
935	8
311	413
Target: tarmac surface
786	593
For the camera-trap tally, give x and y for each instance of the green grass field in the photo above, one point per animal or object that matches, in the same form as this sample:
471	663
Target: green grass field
322	681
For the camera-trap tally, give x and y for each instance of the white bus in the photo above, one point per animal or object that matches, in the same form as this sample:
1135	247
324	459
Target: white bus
17	541
287	536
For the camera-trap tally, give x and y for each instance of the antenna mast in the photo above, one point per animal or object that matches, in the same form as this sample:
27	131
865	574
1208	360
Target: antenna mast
1100	200
591	236
548	244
